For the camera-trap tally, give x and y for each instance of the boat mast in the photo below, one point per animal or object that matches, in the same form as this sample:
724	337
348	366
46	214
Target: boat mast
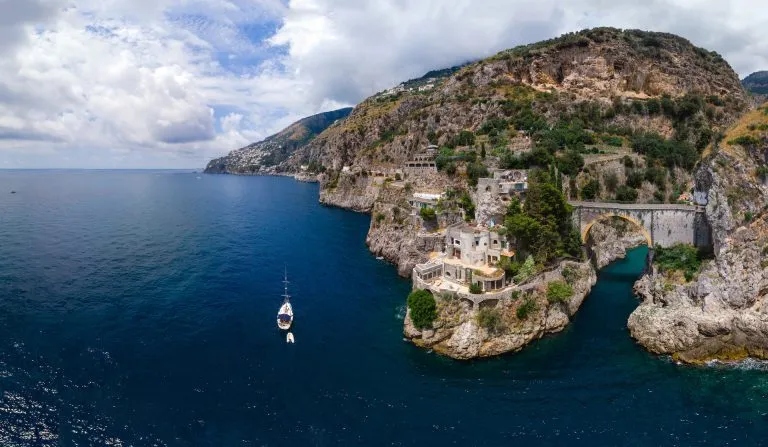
285	282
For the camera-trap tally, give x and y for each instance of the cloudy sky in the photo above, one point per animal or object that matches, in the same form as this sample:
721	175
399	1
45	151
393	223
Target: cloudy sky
172	83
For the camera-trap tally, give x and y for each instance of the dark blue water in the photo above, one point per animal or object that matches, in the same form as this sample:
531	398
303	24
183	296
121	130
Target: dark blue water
138	308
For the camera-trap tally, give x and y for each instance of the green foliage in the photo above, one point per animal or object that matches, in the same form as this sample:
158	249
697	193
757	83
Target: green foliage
428	214
379	218
464	138
493	126
671	153
591	190
612	140
475	288
745	140
526	308
490	319
635	179
762	172
570	274
423	308
611	181
543	225
628	162
465	203
748	216
657	176
537	157
558	292
654	106
526	271
476	171
682	257
570	163
625	193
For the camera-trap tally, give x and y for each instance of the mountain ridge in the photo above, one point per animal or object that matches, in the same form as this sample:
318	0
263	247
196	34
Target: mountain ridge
264	155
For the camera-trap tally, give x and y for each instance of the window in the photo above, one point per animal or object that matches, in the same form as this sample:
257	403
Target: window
495	242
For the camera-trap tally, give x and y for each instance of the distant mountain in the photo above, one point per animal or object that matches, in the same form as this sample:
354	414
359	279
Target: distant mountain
756	83
262	157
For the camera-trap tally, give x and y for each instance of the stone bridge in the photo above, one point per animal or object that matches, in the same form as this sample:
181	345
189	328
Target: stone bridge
661	224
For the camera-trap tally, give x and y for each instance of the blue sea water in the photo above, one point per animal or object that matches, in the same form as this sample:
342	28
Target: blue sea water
138	308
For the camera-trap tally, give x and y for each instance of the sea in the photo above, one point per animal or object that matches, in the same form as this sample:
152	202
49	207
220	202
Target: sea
137	308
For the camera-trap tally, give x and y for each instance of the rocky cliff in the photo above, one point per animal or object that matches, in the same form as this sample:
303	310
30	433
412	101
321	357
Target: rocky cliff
464	331
722	313
264	156
611	239
578	100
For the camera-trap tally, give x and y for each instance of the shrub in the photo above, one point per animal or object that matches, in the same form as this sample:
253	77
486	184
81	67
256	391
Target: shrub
748	216
626	194
612	140
635	179
475	288
570	274
558	292
428	213
611	181
398	177
379	218
671	153
527	270
423	308
450	168
745	140
591	190
526	308
490	319
682	257
476	171
464	138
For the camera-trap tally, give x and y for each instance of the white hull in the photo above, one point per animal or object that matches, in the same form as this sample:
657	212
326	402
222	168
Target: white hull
285	309
289	338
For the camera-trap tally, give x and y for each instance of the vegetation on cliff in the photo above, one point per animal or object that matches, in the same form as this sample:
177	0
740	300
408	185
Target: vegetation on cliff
542	225
423	308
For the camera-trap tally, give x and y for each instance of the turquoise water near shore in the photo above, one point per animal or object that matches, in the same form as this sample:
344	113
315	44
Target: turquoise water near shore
138	308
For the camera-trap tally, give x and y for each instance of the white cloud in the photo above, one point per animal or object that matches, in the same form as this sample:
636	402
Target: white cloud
133	83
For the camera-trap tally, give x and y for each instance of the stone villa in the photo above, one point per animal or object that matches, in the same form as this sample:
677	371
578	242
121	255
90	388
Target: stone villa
505	183
470	256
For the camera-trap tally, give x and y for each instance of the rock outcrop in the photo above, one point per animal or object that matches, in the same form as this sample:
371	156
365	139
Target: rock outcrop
494	327
723	313
610	240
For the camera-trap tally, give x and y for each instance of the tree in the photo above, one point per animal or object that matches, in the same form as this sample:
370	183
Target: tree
423	308
570	163
591	190
475	289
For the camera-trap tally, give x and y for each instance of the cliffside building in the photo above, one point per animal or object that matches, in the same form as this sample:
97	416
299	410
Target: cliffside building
423	162
470	256
505	183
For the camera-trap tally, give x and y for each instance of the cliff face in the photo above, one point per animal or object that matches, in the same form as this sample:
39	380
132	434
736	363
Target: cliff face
264	156
463	331
602	80
611	239
723	313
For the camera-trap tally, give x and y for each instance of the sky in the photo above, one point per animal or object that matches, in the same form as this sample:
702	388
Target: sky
174	83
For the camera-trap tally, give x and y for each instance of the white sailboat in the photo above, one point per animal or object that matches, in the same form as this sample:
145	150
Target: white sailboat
285	314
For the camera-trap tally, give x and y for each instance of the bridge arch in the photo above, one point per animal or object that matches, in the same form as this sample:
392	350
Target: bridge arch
608	215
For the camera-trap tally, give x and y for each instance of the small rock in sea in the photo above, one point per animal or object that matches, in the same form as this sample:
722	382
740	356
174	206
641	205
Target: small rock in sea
13	192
